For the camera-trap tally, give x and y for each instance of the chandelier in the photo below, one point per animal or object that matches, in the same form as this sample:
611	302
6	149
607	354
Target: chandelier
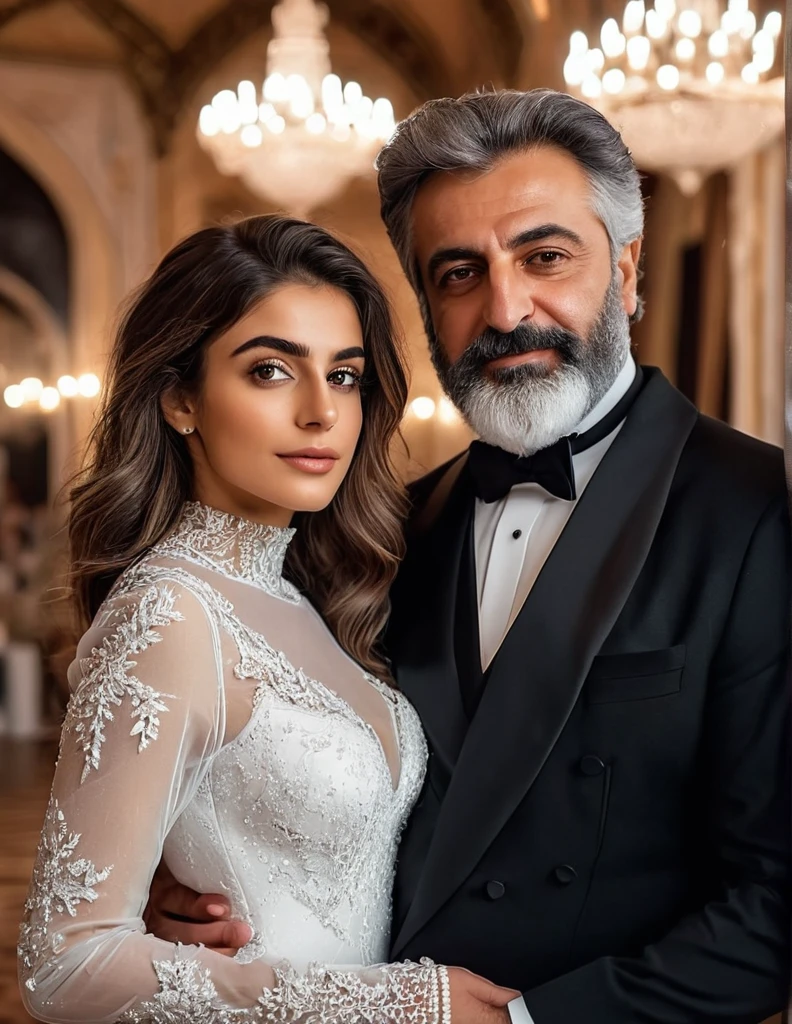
686	82
304	136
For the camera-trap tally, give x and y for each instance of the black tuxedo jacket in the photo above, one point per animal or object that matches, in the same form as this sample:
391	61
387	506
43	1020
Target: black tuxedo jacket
609	833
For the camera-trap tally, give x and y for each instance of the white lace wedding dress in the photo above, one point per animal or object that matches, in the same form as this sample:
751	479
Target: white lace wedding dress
215	721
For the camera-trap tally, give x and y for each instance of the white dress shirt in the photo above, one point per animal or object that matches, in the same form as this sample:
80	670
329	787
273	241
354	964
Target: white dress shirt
513	539
514	536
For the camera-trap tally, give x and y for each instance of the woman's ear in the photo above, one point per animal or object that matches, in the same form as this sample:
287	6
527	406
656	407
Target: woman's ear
179	410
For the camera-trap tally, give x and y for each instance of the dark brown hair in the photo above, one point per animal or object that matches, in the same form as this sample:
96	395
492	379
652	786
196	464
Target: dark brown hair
140	472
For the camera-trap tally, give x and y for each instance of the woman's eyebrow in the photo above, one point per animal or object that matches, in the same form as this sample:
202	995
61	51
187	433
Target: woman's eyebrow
289	348
294	348
355	352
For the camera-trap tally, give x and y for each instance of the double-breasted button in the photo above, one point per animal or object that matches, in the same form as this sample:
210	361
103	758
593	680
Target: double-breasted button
495	890
564	874
592	765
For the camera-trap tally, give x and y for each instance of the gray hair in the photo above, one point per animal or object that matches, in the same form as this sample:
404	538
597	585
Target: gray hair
474	131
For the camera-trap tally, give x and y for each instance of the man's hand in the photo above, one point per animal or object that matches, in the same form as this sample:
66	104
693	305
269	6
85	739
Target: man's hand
178	914
474	1000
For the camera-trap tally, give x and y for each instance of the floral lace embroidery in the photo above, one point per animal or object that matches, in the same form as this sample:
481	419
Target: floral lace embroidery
359	861
237	548
58	886
186	996
257	660
405	993
107	678
301	802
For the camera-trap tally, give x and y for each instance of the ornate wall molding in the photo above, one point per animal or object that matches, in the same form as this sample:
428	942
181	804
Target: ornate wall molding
21	7
508	35
164	79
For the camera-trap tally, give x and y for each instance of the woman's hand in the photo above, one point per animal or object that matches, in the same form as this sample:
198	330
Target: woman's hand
176	913
474	1000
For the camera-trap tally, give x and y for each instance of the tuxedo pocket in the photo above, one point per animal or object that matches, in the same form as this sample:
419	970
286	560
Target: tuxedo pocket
636	676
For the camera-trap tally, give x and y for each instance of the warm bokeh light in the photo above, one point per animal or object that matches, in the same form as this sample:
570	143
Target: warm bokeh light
88	385
67	385
447	411
423	408
31	389
14	396
49	399
668	76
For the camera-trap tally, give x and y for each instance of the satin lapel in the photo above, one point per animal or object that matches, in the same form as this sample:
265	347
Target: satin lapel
467	646
543	662
423	645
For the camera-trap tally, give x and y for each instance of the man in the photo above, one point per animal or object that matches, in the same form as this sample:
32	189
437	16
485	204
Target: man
595	636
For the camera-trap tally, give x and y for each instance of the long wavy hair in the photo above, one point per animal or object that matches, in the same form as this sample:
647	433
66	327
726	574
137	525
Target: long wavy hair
139	472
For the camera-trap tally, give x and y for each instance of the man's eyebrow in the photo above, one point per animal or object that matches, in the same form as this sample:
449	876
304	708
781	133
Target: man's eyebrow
294	348
542	232
441	256
537	234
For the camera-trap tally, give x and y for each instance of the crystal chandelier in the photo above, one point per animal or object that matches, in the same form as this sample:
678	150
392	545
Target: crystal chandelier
299	141
686	82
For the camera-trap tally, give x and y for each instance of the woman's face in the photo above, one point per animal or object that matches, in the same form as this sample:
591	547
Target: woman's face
278	416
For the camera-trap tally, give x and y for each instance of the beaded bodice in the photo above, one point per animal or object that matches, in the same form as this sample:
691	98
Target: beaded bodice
215	722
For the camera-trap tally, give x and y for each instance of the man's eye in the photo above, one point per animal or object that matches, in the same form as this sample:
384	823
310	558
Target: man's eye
548	257
458	275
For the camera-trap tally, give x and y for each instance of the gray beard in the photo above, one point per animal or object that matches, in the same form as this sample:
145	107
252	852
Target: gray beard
523	409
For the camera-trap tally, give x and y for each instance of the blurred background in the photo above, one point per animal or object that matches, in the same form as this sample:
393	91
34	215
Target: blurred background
127	124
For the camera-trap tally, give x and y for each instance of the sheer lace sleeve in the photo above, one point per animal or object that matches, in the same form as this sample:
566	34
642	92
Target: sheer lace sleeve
146	717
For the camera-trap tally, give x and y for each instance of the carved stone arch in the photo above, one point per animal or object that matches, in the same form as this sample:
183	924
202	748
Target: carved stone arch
94	263
508	27
50	333
39	314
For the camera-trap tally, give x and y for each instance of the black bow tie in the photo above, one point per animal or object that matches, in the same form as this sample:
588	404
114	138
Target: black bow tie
494	471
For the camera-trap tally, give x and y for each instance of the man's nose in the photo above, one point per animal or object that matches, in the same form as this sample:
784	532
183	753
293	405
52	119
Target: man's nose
509	300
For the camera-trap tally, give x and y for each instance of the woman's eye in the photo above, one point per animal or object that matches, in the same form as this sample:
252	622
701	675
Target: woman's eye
344	378
269	371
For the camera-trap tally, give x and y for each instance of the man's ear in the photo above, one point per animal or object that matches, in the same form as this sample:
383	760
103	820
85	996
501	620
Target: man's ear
628	267
179	410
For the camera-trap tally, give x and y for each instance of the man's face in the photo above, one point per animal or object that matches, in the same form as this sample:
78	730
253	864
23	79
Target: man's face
527	303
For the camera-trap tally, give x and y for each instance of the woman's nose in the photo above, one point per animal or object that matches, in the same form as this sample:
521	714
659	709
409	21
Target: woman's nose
318	407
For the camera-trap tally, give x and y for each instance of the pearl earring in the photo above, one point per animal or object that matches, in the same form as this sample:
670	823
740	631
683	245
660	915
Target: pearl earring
187	430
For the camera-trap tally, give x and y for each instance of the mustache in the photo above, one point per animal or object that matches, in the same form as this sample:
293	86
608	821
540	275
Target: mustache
492	344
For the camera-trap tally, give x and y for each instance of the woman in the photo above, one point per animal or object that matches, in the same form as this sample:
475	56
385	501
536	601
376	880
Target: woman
240	488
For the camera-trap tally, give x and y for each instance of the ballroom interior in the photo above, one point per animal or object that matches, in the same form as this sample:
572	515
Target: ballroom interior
127	124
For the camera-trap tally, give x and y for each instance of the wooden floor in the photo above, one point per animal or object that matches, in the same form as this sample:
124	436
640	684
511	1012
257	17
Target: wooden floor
25	773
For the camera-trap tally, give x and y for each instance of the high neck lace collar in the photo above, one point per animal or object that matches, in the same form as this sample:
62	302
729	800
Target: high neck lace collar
236	547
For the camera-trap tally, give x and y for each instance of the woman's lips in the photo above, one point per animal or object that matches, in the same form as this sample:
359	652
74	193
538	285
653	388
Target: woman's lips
312	460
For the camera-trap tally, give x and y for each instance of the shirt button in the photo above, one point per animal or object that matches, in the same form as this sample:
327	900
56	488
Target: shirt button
495	890
592	765
565	874
517	534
